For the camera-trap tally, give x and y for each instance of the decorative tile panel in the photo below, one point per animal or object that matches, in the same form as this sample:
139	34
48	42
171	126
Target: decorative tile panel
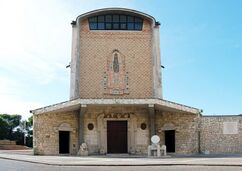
115	79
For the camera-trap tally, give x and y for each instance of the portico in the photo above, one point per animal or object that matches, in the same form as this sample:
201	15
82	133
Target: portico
97	127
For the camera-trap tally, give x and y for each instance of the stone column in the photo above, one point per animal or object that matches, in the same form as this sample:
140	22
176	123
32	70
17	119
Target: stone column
81	124
75	61
156	61
152	119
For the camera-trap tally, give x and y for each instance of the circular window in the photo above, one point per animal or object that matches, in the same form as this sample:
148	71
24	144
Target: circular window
90	126
143	126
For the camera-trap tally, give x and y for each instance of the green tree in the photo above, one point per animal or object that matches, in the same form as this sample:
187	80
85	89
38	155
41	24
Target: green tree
3	129
8	123
12	128
29	131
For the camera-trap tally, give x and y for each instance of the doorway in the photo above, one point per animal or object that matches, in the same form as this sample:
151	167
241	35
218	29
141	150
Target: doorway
170	141
117	137
64	142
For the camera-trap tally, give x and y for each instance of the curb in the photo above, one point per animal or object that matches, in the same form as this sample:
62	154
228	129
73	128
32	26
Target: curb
151	164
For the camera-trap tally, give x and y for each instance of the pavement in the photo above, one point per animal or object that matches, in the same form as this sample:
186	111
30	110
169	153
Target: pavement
123	160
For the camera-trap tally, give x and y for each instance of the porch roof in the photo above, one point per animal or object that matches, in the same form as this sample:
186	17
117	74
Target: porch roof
76	104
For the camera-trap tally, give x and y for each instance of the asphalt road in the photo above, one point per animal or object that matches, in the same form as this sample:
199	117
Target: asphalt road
12	165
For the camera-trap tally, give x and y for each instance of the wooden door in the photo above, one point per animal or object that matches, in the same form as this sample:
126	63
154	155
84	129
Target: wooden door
117	137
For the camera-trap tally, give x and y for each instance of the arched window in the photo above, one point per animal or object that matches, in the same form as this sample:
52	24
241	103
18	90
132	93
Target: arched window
115	22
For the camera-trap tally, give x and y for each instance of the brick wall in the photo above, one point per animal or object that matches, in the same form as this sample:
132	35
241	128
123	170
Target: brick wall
95	48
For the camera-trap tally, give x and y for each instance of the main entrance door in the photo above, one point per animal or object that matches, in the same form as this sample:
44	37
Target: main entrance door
170	141
117	137
64	142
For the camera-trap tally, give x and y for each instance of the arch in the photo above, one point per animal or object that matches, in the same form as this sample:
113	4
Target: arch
64	127
168	126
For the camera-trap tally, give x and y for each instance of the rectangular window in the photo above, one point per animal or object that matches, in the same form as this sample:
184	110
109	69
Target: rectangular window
93	26
138	20
115	26
93	19
100	26
100	18
123	18
109	26
138	26
123	26
108	18
130	26
115	18
130	19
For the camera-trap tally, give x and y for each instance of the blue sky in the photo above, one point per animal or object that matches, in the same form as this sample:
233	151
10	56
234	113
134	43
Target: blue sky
201	49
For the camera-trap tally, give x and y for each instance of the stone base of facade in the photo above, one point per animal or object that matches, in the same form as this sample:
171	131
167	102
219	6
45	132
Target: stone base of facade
47	128
192	133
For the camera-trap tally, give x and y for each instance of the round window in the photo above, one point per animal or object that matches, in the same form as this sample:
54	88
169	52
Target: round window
143	126
90	126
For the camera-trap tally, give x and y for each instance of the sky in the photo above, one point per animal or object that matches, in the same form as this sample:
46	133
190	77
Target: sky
200	41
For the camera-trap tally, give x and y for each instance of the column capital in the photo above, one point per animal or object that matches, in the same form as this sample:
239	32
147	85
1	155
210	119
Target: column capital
151	105
83	105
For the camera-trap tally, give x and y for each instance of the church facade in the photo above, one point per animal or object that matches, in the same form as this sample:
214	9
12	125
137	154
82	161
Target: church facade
116	101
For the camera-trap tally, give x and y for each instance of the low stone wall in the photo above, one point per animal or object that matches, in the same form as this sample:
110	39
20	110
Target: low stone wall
221	134
11	145
7	142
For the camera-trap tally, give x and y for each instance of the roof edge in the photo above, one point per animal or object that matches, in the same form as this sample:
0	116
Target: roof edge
115	9
79	102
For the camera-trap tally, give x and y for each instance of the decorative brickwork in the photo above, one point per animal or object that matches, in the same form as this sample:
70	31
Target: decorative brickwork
116	78
96	46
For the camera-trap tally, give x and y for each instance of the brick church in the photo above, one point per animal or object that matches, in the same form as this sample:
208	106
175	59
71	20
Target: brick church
116	101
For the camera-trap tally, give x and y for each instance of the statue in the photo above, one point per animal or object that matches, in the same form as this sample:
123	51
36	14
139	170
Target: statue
83	151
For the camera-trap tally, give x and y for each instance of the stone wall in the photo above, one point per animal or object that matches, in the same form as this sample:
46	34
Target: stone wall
186	130
96	139
97	46
219	136
185	125
47	126
46	132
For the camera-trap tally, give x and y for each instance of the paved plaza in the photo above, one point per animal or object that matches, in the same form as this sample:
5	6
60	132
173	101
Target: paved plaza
12	165
124	160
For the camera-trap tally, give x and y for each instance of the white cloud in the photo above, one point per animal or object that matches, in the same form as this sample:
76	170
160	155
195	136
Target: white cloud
11	105
35	47
32	42
10	101
35	43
